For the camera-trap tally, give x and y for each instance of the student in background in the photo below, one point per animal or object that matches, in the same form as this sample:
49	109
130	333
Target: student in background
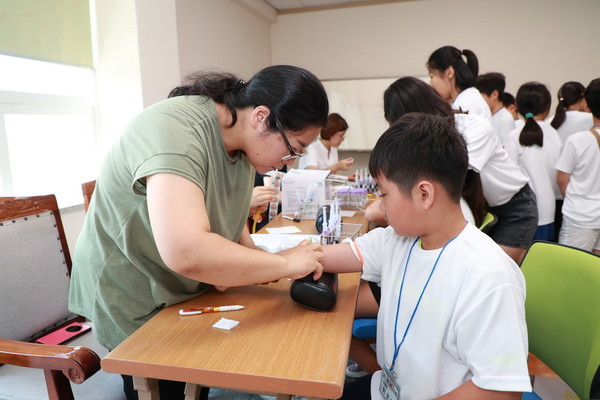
491	86
511	105
428	256
168	217
505	187
572	114
536	148
323	153
454	78
579	181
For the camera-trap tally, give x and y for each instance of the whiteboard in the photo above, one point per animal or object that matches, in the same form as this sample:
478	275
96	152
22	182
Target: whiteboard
360	102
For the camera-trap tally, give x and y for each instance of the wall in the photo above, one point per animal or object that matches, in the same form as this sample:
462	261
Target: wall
144	48
221	34
551	41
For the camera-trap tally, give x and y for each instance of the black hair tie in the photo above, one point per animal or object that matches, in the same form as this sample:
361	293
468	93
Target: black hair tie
239	85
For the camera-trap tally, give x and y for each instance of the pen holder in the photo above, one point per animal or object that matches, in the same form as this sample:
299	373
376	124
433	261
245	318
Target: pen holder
319	295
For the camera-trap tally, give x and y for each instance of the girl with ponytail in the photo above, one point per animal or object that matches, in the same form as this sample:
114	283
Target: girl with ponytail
572	114
453	73
536	148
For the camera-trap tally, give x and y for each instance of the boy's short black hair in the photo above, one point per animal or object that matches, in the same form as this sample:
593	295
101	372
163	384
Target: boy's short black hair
592	96
487	83
508	99
422	146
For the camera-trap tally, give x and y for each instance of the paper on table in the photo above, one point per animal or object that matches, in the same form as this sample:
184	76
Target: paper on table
278	242
348	213
284	229
226	324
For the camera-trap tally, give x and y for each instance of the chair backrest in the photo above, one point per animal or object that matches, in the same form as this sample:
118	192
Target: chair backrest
35	267
87	188
563	311
489	221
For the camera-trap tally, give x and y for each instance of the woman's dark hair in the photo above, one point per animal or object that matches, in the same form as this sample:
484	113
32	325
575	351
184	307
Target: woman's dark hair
592	96
335	123
410	94
473	194
568	94
422	146
533	98
450	56
294	95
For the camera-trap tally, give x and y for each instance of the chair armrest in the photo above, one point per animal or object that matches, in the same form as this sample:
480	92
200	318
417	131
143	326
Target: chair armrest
77	363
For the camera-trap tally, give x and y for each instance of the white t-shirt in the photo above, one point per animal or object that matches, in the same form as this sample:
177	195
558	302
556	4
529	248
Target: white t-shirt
501	178
580	157
318	156
472	102
470	324
503	122
575	121
538	164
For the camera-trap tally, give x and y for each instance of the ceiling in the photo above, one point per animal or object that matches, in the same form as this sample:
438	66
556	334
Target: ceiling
292	6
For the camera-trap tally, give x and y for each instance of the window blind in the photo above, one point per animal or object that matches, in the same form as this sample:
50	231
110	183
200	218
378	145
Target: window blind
53	30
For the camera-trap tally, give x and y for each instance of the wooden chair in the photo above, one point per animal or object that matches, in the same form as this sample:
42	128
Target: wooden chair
87	188
35	270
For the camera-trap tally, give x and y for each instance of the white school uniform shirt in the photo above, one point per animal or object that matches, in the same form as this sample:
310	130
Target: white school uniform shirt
575	121
472	102
538	164
503	122
580	157
470	324
501	178
318	156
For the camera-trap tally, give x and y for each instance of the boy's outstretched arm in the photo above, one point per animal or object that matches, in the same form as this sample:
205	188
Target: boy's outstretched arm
469	391
341	258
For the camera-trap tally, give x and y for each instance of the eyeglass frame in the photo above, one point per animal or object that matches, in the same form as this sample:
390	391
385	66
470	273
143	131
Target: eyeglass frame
293	154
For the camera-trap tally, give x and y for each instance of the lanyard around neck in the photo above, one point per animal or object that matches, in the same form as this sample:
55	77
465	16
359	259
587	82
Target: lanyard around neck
397	346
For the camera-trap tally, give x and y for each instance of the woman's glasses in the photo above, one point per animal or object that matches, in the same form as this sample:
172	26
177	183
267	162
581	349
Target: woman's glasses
293	155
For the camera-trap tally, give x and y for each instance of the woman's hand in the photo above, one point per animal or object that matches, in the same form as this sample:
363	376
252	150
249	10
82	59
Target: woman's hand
304	259
345	164
261	197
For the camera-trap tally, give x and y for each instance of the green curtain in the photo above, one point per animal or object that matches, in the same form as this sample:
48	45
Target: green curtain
52	30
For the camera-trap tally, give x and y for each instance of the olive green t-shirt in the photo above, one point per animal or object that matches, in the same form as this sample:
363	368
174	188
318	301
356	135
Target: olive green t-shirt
119	280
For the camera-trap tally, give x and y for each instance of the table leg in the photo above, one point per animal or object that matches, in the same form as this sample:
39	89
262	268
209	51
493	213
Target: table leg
147	388
192	391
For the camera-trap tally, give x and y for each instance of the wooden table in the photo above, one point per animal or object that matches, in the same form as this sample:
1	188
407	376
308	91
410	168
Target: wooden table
279	347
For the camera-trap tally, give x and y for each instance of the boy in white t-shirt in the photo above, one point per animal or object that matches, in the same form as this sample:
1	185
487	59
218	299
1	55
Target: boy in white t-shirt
491	86
451	323
578	177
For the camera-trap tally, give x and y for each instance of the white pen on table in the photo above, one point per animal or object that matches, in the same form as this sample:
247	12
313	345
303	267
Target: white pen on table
205	310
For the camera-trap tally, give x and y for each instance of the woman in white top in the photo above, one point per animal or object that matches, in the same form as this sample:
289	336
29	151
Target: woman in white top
536	149
454	79
323	153
571	114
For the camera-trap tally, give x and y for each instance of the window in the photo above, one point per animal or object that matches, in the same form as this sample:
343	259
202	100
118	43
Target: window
47	129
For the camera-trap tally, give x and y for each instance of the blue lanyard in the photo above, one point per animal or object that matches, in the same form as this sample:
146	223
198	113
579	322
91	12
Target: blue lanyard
397	346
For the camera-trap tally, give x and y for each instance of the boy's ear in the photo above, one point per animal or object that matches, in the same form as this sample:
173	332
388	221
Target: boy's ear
426	193
495	95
